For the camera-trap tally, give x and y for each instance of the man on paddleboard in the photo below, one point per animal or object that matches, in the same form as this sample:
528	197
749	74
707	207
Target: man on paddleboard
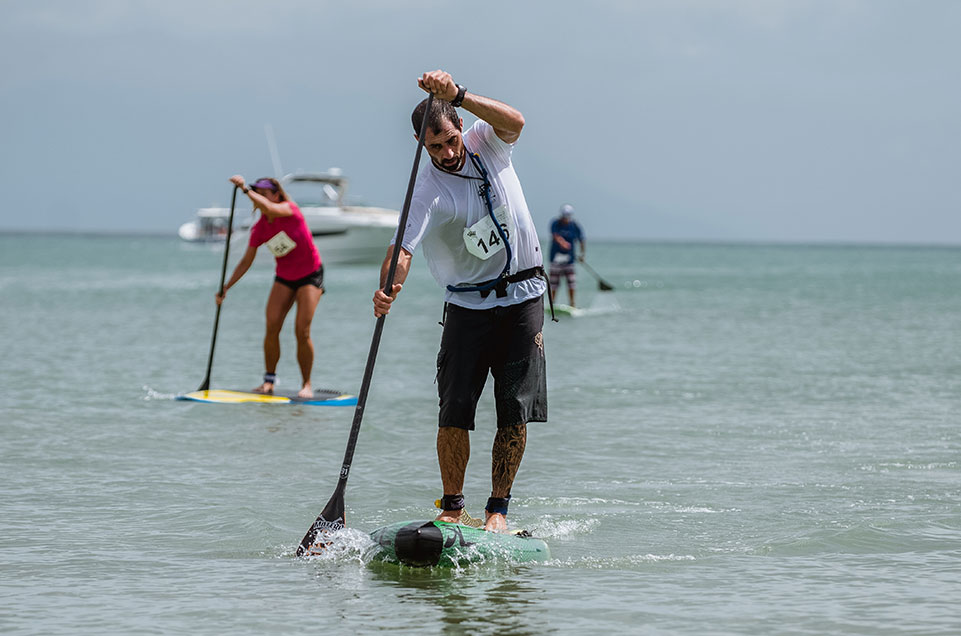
469	214
565	234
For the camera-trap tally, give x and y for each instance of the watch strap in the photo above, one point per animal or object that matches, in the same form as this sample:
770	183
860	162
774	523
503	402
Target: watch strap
457	101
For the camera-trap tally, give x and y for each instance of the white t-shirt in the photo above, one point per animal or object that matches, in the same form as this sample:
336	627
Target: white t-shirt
444	205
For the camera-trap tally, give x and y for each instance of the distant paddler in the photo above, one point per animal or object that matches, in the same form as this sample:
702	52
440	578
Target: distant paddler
469	213
299	275
565	234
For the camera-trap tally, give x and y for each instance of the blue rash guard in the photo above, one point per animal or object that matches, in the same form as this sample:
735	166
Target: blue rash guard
571	232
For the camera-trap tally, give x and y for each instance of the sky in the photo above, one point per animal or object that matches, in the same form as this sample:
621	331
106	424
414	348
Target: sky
678	120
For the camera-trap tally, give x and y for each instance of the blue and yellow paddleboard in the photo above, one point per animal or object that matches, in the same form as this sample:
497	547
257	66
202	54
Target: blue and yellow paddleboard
430	543
322	397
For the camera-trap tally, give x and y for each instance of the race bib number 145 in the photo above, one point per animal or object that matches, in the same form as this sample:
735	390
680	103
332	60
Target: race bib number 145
483	240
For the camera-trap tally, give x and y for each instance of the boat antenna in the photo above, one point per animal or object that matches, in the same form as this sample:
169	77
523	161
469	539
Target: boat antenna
274	155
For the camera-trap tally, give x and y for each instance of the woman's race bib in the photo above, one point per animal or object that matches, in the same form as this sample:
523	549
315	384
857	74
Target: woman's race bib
280	244
483	240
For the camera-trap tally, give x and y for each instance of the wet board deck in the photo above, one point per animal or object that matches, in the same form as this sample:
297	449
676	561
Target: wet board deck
322	397
430	543
567	310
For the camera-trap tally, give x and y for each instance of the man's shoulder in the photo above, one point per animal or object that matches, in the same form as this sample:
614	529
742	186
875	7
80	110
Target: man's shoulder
431	191
482	139
479	128
430	182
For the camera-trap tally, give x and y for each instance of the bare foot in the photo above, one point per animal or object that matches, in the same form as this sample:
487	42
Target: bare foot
306	392
450	516
267	388
496	522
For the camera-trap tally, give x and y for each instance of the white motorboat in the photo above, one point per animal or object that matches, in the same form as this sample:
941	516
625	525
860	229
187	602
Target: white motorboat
210	225
343	233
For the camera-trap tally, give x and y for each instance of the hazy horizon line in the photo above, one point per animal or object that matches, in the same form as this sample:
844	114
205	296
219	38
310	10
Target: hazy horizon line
602	240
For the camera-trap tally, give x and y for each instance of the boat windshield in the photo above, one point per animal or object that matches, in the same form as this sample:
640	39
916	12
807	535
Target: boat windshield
314	192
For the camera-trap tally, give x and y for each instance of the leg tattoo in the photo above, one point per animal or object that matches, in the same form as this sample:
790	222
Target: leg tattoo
453	452
506	456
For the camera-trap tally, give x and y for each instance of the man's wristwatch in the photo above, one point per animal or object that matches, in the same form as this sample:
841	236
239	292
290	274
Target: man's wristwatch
457	101
245	189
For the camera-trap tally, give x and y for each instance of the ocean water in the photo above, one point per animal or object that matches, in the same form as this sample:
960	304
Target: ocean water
743	439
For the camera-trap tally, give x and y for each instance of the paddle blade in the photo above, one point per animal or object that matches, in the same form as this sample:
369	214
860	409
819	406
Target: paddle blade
330	520
601	283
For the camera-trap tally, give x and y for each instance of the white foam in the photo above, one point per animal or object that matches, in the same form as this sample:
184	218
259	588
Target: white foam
346	546
156	395
546	528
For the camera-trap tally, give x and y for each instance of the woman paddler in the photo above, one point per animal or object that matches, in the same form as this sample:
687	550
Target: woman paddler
299	275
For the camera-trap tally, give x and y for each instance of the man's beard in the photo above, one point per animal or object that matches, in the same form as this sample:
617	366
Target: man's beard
454	164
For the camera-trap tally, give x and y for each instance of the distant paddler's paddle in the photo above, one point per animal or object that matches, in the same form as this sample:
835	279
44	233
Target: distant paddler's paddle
223	274
601	284
332	517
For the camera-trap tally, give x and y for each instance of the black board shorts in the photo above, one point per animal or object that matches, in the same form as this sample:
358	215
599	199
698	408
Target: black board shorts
316	279
508	343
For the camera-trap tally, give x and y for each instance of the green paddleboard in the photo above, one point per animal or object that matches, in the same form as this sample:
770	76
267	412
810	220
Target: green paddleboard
429	543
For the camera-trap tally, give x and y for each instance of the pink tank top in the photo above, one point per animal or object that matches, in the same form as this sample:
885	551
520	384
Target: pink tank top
290	236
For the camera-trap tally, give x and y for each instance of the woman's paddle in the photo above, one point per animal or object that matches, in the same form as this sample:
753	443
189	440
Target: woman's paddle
223	275
601	284
332	517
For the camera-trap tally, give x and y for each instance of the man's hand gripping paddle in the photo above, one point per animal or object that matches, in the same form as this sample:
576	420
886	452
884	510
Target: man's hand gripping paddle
332	517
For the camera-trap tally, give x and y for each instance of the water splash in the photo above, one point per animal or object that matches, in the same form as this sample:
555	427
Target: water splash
621	562
151	394
547	528
348	545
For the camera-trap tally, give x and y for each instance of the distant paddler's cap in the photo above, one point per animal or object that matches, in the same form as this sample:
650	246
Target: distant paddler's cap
567	211
264	184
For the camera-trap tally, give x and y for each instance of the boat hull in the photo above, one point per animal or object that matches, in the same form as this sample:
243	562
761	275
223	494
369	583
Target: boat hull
342	235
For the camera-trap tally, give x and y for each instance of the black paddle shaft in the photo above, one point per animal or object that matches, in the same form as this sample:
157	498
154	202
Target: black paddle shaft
602	284
223	275
332	517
